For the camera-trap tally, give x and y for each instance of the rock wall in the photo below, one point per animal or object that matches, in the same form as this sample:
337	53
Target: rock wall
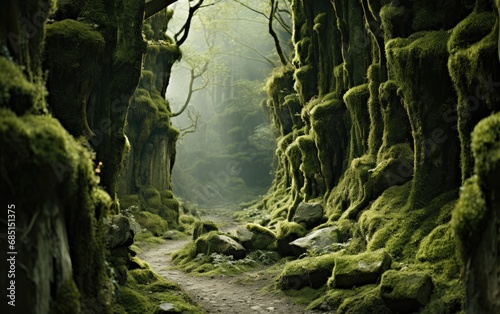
48	177
94	53
376	113
145	181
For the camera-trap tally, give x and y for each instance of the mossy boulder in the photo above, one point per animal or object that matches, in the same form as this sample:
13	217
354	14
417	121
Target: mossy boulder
120	233
262	238
243	236
152	222
309	214
318	241
202	227
214	242
286	233
405	292
307	272
361	269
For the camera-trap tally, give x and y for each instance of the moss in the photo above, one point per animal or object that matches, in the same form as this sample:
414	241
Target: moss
16	92
356	101
406	291
434	142
127	201
309	271
263	238
203	227
365	301
185	254
73	47
67	299
153	223
468	216
471	30
486	147
131	301
358	270
143	276
187	219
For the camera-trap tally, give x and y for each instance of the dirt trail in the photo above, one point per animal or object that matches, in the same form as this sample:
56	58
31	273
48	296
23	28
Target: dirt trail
221	294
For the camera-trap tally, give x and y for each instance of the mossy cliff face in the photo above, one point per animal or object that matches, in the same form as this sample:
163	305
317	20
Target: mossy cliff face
50	180
376	113
147	170
94	52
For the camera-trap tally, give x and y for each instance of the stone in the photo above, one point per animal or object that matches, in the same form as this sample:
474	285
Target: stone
167	308
262	238
309	214
405	292
361	269
243	236
120	233
203	227
214	242
318	241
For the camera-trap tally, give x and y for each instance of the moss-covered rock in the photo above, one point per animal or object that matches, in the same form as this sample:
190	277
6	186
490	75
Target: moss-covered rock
286	233
153	223
319	241
358	270
307	272
213	242
262	238
309	214
405	292
202	227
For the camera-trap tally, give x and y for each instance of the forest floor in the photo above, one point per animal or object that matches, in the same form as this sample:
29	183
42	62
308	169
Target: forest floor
244	293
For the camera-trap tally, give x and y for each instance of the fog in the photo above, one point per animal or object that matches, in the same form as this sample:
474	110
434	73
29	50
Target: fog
226	142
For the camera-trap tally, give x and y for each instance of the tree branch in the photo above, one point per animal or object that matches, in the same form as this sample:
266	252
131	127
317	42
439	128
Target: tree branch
185	28
281	55
154	6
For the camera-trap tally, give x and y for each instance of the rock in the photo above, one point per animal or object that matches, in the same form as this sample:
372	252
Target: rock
167	308
214	242
286	233
203	227
120	233
309	214
405	292
262	238
243	236
319	241
358	270
307	272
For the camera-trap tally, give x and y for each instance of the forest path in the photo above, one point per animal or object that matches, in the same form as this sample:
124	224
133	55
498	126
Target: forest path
239	294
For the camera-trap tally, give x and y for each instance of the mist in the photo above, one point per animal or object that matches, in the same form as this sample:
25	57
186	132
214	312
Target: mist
226	142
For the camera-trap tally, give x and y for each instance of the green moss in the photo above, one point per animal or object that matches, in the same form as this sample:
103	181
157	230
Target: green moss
185	254
73	47
366	300
471	30
16	92
203	227
356	101
132	302
263	238
143	276
468	216
360	269
486	147
287	229
67	299
309	271
153	223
